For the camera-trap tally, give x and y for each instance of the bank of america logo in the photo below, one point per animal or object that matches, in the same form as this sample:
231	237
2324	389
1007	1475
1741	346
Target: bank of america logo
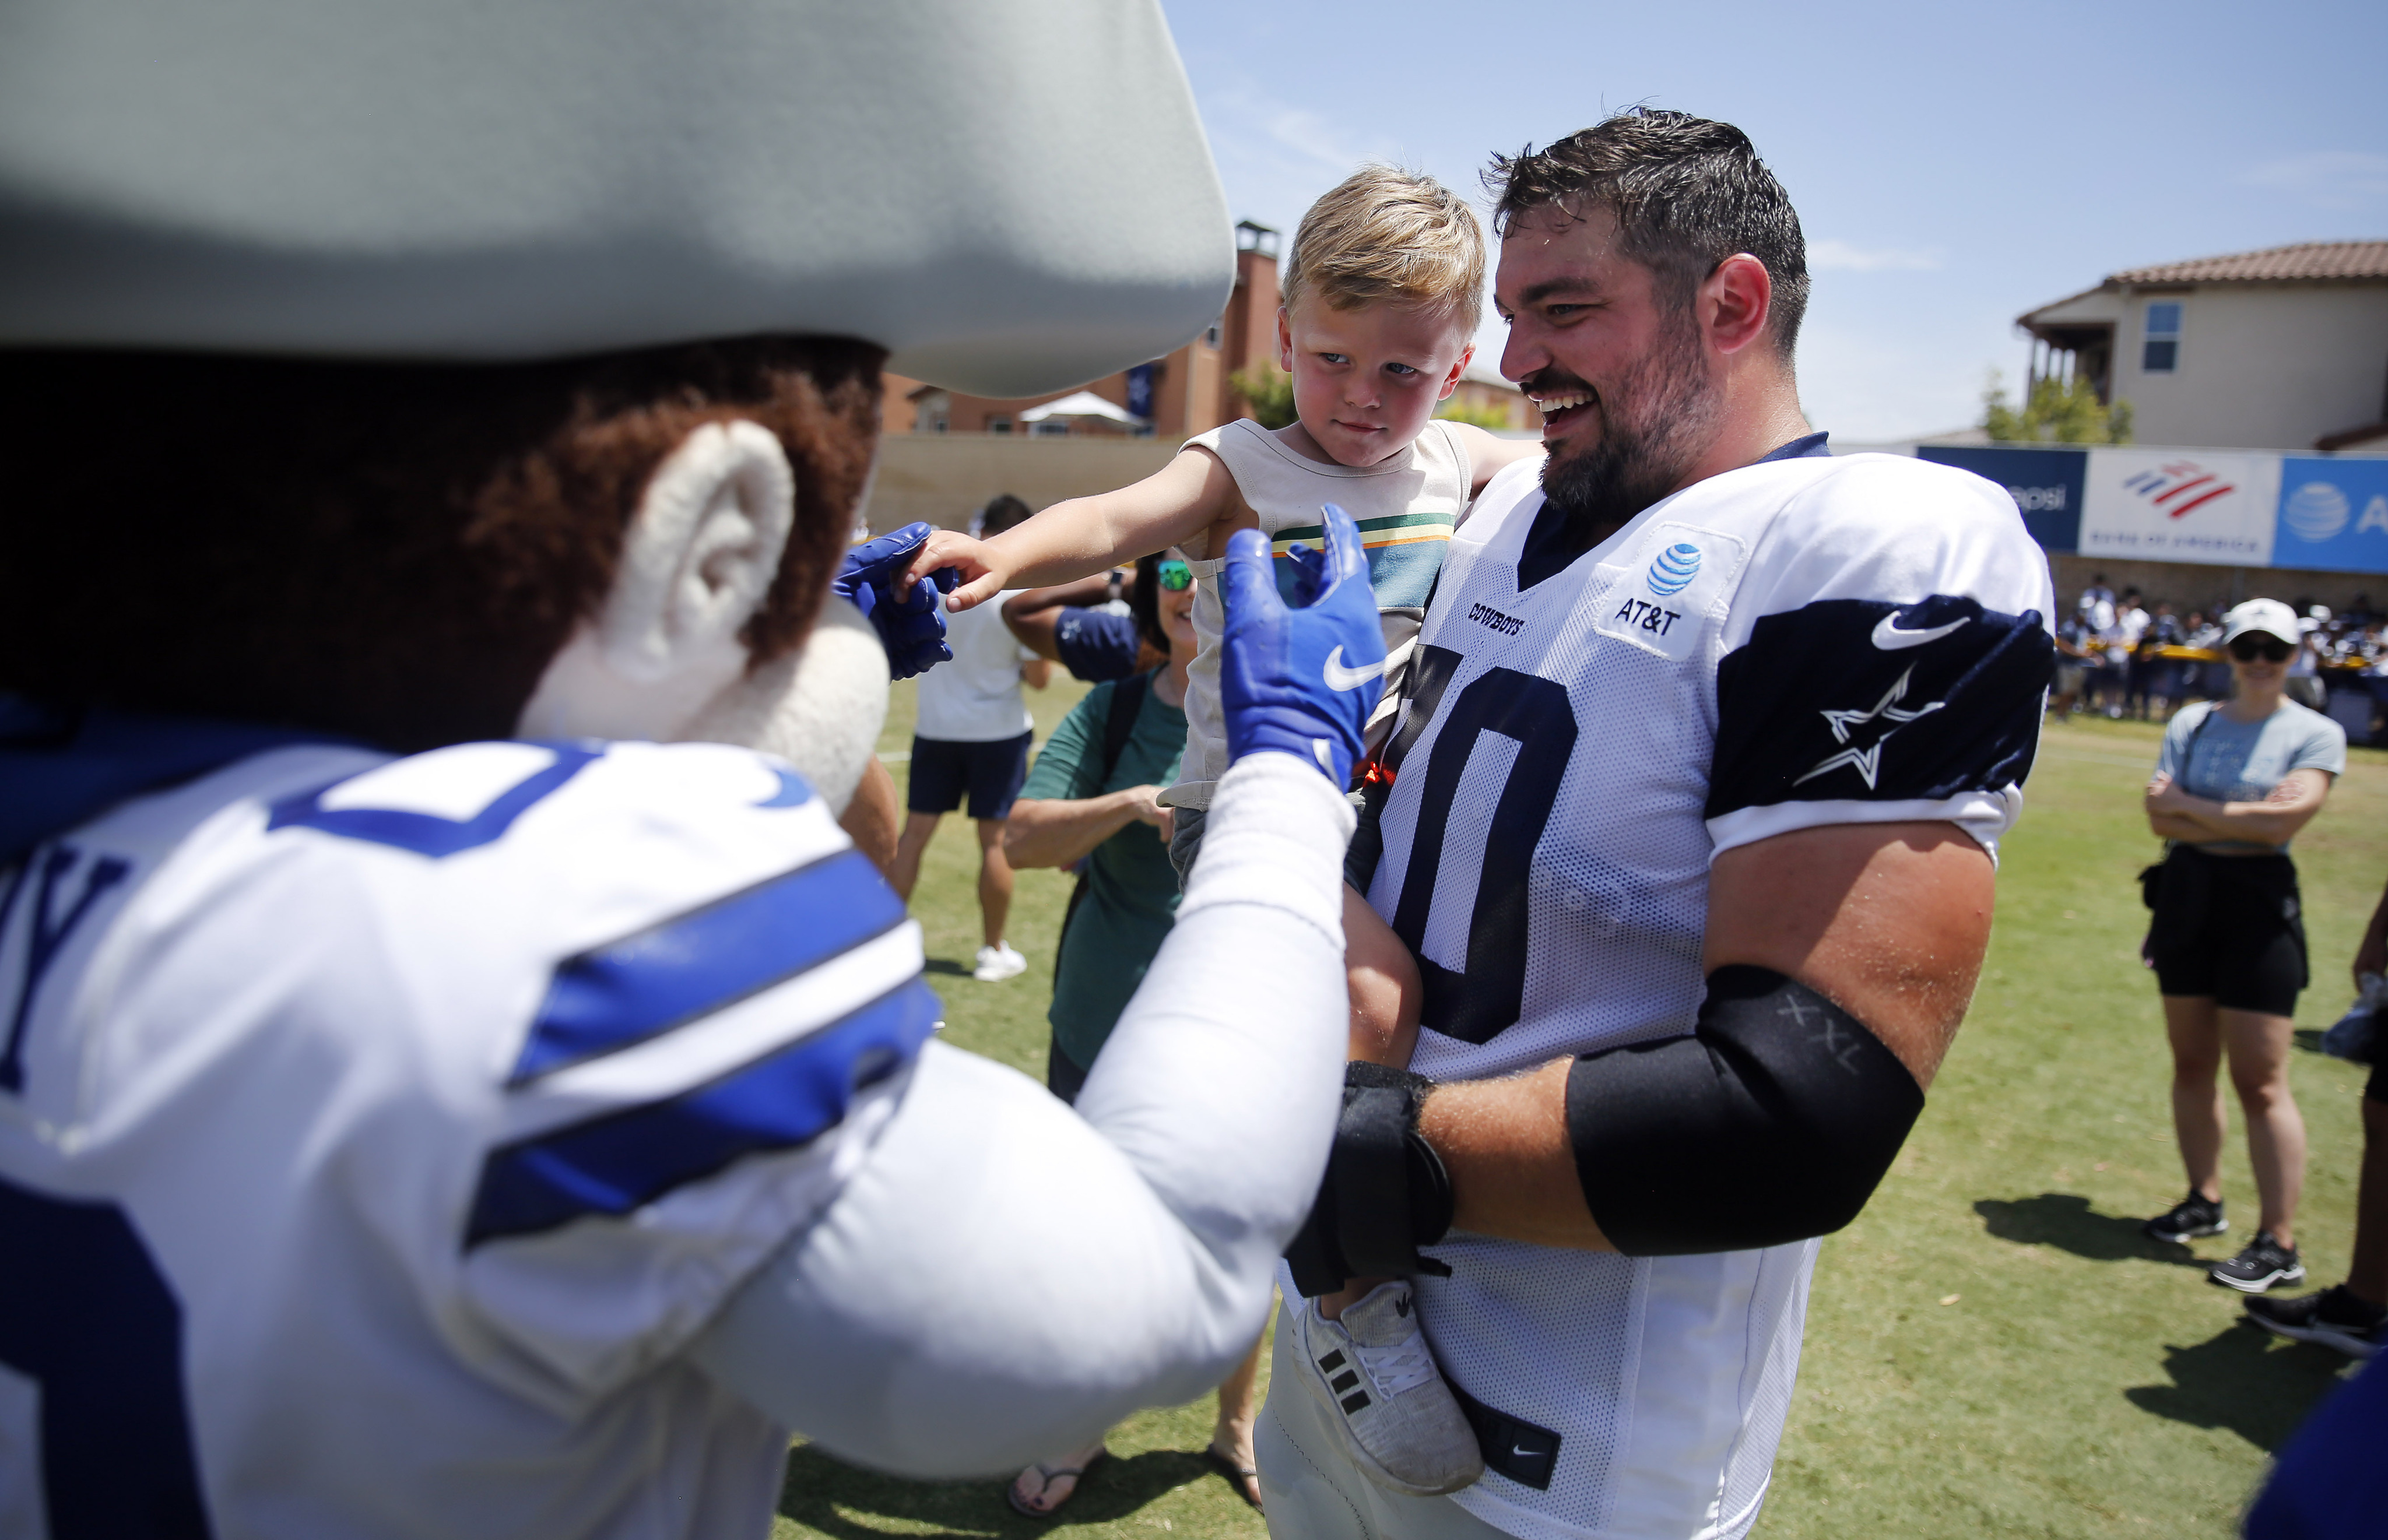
1674	569
2179	487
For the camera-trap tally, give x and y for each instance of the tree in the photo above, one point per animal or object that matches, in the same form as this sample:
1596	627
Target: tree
2055	413
1269	392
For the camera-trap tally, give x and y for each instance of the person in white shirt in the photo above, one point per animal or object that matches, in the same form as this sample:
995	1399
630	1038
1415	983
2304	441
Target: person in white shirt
970	740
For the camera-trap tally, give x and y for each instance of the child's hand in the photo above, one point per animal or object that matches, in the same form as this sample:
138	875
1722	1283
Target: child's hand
980	571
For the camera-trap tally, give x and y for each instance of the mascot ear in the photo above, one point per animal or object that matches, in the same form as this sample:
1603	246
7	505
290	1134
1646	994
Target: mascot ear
696	563
701	553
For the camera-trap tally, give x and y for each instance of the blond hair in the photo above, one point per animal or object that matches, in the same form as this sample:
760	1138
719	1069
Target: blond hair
1385	234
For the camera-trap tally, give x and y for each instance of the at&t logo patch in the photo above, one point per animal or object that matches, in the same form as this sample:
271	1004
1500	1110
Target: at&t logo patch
1666	595
1673	570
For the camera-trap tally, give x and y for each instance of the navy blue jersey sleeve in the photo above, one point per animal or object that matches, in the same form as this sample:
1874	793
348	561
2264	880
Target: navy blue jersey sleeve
1849	700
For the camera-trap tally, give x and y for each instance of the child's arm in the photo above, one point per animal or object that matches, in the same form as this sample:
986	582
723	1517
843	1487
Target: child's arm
1488	453
1082	536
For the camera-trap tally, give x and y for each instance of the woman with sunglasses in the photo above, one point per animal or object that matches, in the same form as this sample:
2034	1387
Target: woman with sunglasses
2236	780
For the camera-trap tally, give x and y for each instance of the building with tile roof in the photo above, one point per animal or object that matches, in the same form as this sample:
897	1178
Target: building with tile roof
2282	349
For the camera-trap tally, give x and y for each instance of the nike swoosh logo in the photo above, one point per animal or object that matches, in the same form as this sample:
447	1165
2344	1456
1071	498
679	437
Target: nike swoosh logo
1339	677
1524	1453
1890	638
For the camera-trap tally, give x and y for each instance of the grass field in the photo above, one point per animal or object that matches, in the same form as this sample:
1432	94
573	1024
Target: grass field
1992	1348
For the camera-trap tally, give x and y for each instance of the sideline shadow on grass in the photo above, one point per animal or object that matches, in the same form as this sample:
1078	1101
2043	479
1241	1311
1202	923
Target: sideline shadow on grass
2243	1381
836	1499
947	966
2065	1221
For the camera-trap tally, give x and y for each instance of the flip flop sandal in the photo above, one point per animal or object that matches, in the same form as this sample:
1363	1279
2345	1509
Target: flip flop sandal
1245	1478
1046	1476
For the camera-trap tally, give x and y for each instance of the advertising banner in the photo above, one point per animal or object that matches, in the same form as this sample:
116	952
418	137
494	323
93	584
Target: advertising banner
2333	515
2176	505
2045	483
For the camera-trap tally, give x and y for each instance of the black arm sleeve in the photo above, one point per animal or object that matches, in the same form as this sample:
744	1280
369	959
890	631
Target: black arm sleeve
1773	1122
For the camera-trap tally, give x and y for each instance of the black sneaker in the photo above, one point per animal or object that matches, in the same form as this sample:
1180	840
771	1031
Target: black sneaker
2192	1216
2263	1263
2333	1318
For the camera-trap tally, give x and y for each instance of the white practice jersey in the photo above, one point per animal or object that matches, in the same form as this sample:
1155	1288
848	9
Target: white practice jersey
375	1135
1803	641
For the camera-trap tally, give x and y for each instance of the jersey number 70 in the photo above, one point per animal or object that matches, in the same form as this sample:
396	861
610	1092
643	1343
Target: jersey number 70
1479	1001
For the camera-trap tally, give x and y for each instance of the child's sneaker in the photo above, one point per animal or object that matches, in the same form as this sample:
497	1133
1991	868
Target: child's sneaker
1380	1387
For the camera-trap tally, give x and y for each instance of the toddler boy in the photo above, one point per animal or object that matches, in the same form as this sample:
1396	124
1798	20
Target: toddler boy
1383	291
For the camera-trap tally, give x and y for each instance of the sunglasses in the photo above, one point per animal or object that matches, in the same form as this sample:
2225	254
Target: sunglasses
2270	648
1175	576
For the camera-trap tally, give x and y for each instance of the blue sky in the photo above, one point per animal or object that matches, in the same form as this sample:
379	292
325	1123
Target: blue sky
1953	167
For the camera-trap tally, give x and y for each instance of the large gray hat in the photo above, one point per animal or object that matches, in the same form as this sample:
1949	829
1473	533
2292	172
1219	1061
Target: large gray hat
1010	197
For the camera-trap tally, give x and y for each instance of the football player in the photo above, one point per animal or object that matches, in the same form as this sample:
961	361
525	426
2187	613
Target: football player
1693	825
440	1093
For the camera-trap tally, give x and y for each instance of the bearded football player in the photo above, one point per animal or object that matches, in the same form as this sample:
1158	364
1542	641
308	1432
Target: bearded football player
1692	824
453	1082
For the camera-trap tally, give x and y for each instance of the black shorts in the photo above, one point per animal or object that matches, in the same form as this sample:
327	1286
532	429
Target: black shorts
992	772
2229	927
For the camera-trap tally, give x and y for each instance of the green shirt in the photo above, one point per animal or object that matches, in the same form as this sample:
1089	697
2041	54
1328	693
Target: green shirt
1131	887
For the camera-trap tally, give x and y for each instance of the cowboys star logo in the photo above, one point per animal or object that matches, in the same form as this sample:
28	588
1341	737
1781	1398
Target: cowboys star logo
1864	732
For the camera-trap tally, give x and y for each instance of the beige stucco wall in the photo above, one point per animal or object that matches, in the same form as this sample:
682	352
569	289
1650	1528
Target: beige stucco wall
944	478
2262	366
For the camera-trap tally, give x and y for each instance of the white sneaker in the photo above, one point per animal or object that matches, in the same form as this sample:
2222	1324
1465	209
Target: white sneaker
1380	1386
999	963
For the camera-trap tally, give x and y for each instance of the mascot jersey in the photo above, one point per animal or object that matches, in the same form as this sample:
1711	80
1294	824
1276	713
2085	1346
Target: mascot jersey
1803	641
373	1132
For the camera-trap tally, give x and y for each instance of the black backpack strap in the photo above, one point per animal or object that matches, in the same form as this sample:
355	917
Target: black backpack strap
1119	721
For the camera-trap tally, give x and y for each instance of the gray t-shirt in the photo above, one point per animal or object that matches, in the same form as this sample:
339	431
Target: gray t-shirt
2241	761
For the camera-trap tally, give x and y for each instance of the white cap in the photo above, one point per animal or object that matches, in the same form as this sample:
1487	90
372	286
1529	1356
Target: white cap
2268	615
1011	198
2319	611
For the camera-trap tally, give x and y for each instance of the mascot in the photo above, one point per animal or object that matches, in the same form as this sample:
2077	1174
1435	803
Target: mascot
459	1078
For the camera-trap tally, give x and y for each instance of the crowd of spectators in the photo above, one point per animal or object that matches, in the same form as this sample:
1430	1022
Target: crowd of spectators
2125	656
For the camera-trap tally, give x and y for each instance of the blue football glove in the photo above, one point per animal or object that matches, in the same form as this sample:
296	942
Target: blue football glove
912	629
1301	681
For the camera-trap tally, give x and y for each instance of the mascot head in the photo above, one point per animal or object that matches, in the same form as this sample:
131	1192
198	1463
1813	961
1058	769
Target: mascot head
427	372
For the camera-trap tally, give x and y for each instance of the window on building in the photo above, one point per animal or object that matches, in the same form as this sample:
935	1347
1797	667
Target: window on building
1050	427
2163	348
998	424
1213	337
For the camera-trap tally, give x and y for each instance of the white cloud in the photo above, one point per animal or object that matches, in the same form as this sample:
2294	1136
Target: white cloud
1263	145
1830	255
2331	179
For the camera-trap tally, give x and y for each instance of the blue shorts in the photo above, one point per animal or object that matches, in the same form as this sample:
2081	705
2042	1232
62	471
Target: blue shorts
992	772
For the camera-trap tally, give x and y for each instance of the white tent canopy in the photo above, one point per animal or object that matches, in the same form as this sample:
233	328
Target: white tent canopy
1085	403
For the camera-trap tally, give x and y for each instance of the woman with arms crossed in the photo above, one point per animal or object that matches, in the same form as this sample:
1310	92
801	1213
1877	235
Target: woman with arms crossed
2235	782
